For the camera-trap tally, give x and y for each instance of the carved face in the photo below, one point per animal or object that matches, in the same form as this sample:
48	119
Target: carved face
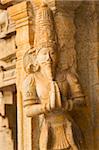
47	59
46	55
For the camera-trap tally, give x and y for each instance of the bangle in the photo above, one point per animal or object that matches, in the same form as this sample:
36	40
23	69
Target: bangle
70	104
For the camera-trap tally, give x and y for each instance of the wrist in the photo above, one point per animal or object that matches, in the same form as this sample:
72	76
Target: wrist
70	105
46	107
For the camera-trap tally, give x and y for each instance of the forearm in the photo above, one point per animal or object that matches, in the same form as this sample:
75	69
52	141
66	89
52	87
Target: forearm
77	97
34	110
74	104
79	103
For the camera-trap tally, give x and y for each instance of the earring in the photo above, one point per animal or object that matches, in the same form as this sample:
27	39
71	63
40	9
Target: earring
36	68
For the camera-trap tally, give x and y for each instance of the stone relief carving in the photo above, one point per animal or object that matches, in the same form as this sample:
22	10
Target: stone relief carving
3	20
51	90
7	70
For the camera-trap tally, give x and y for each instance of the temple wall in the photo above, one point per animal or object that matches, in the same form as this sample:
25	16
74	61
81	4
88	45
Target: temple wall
87	60
77	27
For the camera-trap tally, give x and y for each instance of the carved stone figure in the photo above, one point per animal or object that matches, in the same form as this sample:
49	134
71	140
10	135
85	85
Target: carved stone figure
3	20
49	90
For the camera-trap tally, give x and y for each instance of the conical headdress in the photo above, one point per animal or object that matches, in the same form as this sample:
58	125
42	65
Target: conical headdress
44	28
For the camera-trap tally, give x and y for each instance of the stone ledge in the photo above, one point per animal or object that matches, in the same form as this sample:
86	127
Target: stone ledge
7	78
7	34
11	87
10	2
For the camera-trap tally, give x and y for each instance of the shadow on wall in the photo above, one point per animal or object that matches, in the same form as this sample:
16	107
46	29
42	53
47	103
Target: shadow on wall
85	37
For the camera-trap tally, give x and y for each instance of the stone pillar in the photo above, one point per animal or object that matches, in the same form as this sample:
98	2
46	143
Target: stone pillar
22	14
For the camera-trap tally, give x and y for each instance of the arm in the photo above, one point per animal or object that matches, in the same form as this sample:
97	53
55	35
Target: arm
35	109
31	104
77	99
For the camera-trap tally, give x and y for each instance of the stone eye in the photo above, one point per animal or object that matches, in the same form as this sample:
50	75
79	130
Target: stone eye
52	53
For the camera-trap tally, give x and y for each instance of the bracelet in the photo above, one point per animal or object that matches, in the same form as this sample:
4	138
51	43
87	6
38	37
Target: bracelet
70	105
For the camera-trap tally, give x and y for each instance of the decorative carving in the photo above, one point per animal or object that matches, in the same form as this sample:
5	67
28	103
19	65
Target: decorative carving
50	91
3	20
9	75
8	49
7	71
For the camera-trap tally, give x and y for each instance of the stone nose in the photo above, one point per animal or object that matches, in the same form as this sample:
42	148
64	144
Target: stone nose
48	57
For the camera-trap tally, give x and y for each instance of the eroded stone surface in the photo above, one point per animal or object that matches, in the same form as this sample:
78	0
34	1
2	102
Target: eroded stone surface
76	27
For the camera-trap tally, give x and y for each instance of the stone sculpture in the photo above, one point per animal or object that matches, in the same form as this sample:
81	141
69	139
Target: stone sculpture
3	20
49	89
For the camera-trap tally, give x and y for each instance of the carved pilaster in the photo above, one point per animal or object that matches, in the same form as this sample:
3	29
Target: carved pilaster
22	14
51	3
